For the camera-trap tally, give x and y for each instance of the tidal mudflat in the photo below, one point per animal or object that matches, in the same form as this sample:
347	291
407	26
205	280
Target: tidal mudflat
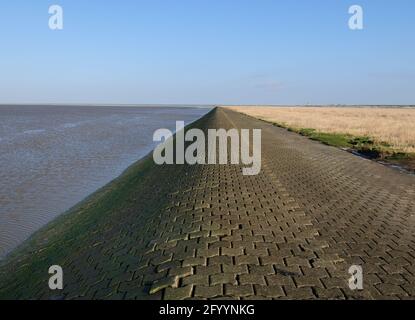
51	157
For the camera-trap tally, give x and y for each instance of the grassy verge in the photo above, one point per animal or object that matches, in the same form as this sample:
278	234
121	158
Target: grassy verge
364	146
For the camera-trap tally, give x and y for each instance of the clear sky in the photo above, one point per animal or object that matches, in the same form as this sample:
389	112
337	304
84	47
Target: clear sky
207	52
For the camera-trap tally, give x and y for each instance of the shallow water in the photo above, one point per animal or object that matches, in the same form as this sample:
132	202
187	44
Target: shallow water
53	157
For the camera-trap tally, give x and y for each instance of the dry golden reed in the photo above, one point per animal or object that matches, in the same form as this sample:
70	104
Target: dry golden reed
393	125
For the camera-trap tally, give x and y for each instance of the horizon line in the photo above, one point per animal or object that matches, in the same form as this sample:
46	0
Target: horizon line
200	105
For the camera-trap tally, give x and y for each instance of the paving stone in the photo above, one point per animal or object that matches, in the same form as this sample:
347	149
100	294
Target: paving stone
239	291
196	280
247	260
252	279
261	270
208	253
219	260
178	293
191	262
181	272
223	278
233	252
202	270
300	293
242	269
269	291
209	292
163	284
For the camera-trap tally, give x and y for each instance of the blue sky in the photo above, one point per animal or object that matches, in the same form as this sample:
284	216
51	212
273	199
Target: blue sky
207	52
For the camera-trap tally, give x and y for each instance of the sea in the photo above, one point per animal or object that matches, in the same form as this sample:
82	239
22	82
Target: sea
52	157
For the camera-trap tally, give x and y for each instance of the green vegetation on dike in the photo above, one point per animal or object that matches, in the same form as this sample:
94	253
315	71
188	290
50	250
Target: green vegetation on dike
365	146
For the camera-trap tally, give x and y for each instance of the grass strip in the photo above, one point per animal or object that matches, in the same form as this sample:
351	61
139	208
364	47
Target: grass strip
362	145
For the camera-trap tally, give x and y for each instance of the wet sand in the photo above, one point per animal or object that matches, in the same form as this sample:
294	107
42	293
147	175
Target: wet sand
53	157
